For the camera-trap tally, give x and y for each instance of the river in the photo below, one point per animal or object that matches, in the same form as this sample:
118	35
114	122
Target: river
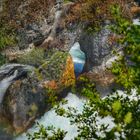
51	118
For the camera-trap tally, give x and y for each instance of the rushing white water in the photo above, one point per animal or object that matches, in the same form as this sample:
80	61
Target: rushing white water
8	73
136	21
4	84
51	118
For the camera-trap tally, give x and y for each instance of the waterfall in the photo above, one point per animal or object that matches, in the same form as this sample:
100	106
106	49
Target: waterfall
4	84
9	73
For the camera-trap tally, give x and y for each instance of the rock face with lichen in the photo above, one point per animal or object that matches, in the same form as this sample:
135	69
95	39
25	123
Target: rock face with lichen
97	46
28	98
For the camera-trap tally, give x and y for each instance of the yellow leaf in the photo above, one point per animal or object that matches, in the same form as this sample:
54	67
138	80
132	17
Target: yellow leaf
128	118
116	106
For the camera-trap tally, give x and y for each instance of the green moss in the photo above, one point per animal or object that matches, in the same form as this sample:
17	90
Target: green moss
54	67
7	37
33	110
36	57
66	1
2	59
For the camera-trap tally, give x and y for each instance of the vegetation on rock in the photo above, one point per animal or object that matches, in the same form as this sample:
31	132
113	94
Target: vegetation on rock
35	57
58	71
7	39
94	14
24	11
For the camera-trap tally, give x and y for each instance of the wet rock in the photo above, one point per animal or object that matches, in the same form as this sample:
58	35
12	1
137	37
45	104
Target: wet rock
19	100
138	1
28	35
32	24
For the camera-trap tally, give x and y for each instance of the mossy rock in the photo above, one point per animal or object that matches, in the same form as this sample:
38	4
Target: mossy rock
35	57
57	71
37	92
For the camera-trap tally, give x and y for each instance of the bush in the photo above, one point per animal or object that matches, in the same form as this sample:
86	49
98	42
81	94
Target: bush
49	133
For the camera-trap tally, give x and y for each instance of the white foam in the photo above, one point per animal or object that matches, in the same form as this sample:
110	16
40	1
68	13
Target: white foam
136	21
4	84
51	118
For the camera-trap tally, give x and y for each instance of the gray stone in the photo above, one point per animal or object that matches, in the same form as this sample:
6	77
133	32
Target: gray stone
96	47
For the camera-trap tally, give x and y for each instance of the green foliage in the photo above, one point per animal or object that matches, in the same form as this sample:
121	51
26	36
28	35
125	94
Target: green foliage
128	118
54	66
96	13
2	59
52	97
6	37
48	133
116	106
36	57
85	87
127	67
122	110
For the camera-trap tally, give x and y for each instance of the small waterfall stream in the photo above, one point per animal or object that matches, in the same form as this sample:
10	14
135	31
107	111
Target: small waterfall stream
9	73
4	84
136	21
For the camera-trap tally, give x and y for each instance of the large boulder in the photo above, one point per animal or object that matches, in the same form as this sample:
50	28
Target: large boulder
59	70
97	46
28	98
23	101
